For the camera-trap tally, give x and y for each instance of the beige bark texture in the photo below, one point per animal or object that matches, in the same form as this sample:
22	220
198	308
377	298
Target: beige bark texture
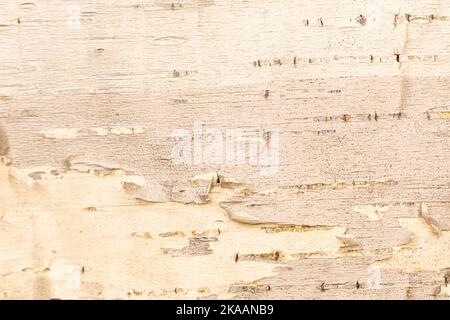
241	149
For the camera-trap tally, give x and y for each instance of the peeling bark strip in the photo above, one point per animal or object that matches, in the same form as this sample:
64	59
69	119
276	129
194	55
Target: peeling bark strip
298	155
4	143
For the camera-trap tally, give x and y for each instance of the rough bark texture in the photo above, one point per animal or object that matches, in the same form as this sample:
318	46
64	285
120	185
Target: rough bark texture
93	205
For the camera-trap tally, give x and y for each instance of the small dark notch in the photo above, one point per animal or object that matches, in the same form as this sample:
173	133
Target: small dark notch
345	117
176	74
277	255
398	115
361	20
395	20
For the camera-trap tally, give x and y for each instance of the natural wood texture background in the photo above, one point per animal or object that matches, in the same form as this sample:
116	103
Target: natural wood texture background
92	206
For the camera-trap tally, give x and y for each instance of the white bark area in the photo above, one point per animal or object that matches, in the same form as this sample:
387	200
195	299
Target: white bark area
224	149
